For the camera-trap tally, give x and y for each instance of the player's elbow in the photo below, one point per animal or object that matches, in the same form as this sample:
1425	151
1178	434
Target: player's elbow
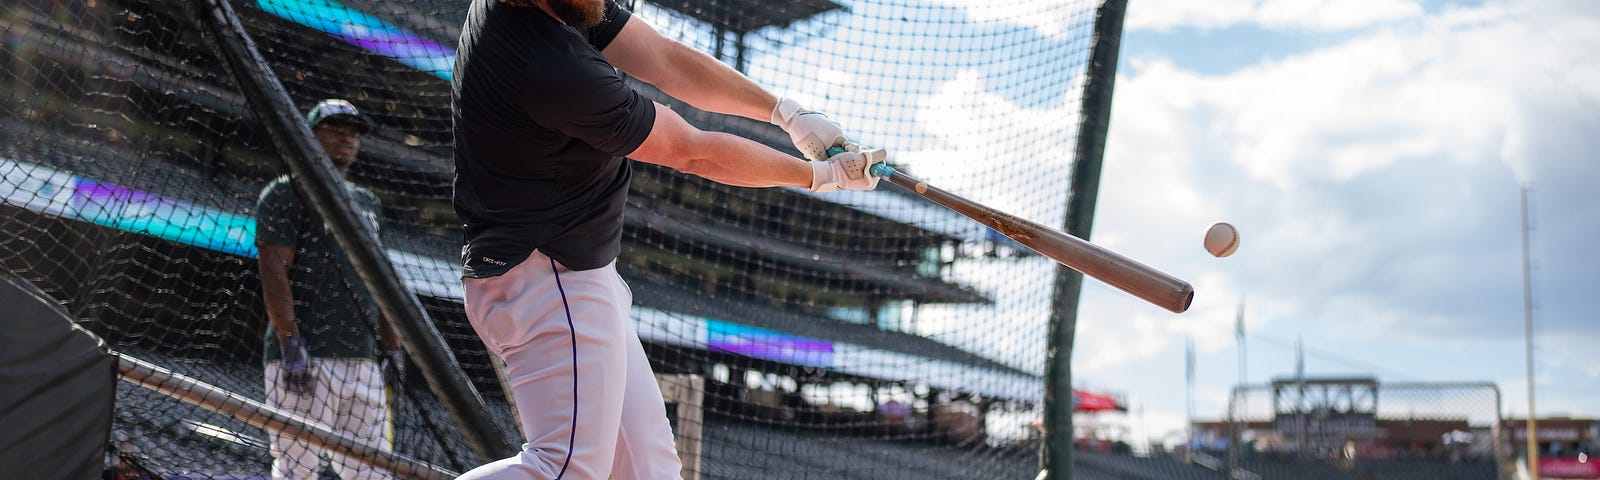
677	145
700	167
691	156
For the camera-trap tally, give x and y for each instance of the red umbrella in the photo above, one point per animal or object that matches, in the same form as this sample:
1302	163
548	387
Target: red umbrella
1085	401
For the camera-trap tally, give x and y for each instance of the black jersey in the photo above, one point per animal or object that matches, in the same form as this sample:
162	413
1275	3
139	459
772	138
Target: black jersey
541	124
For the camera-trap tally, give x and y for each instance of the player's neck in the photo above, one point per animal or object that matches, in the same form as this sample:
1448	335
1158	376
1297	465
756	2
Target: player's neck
545	7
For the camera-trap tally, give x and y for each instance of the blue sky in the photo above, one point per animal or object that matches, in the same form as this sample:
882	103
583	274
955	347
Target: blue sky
1372	159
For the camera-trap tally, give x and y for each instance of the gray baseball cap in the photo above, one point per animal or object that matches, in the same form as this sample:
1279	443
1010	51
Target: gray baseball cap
340	109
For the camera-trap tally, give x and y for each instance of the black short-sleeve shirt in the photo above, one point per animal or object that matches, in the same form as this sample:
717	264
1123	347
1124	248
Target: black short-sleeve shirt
542	122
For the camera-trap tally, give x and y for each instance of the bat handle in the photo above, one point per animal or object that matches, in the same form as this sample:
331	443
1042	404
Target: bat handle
879	170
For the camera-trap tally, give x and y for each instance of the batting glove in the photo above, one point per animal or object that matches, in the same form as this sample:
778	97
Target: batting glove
851	170
298	374
393	366
811	131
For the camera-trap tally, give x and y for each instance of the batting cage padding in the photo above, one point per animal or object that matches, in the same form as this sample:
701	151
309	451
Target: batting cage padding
56	385
862	335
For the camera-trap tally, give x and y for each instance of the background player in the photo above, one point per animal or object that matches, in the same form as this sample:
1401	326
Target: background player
542	121
320	352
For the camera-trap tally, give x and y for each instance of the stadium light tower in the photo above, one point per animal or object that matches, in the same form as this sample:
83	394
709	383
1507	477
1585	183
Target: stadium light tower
1527	333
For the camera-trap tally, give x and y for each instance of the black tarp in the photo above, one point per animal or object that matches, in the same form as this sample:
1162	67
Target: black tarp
57	385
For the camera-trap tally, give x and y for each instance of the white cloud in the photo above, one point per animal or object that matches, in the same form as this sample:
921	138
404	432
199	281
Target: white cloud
1314	15
1337	113
1011	153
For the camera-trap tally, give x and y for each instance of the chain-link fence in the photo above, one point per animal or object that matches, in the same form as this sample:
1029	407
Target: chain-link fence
1293	427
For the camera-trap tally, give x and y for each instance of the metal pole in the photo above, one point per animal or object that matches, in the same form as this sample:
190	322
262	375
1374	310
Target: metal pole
1502	465
1189	367
148	375
1302	415
1233	430
1055	453
1244	354
1527	333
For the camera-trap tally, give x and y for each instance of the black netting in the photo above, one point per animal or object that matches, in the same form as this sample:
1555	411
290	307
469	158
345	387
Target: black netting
842	335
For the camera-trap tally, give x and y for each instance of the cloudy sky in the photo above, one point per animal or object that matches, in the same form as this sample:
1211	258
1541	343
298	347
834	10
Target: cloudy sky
1371	153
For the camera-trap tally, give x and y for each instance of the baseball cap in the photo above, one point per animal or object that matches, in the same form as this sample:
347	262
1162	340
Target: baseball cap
340	108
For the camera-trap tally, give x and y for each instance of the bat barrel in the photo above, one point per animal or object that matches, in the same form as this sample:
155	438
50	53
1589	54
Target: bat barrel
1126	274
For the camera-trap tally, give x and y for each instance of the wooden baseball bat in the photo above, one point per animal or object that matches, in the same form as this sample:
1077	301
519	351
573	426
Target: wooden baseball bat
1154	286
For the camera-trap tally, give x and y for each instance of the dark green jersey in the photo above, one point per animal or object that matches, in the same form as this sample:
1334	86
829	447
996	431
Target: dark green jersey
335	313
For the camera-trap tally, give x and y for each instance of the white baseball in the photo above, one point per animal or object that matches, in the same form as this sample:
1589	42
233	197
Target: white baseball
1222	239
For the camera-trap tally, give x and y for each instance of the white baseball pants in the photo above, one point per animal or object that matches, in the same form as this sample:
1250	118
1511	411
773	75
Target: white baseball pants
588	401
346	396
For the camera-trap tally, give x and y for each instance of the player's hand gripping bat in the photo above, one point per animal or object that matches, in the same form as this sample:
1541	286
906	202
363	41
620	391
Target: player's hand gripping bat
1154	286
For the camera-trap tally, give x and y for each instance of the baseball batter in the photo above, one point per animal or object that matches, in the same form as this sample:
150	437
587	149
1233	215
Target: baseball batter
542	123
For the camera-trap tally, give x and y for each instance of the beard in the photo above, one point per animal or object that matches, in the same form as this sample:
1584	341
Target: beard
579	13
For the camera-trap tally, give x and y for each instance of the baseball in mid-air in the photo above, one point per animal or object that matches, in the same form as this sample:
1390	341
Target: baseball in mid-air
1222	239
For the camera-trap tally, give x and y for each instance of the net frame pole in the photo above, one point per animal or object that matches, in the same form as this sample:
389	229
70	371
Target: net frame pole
204	395
1055	456
322	186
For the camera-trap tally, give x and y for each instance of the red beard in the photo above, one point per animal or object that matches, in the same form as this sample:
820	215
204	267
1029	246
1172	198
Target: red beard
579	13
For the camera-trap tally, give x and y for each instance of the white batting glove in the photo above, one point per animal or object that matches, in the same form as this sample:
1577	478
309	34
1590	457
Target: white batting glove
851	170
811	131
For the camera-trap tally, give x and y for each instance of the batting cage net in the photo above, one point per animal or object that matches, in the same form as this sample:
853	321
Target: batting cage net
795	334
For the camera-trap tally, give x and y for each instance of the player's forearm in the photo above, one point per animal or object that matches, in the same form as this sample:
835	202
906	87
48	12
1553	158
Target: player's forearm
280	310
687	74
277	296
711	85
733	160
